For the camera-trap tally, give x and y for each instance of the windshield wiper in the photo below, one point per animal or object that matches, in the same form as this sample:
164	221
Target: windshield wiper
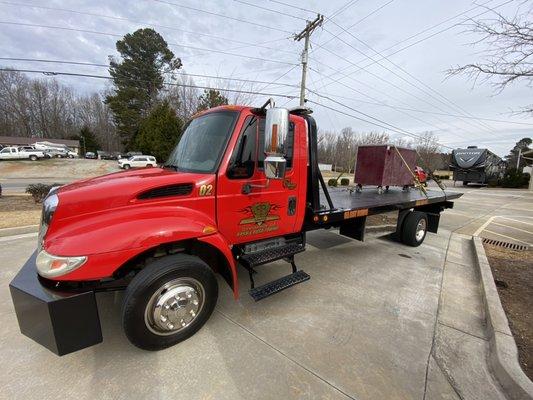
174	167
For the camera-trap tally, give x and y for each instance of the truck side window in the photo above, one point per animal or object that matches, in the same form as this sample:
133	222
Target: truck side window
289	145
242	162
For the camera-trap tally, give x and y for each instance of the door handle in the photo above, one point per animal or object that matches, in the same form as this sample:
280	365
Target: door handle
248	187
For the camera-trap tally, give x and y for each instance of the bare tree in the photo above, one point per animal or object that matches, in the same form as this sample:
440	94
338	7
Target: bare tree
183	97
428	151
44	108
508	57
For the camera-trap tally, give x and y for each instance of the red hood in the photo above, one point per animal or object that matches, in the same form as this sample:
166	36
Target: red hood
116	190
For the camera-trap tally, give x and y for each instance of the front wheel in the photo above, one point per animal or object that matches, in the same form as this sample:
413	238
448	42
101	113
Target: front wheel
414	228
127	166
33	157
168	301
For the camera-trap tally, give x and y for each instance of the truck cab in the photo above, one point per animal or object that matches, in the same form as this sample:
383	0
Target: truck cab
241	187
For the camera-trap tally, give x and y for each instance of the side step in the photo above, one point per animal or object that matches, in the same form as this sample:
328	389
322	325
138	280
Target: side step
278	285
269	255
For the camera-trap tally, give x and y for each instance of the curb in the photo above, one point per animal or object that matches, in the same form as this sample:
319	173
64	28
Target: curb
503	354
18	230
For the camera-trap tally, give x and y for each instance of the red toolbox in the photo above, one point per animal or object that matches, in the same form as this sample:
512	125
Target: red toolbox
381	165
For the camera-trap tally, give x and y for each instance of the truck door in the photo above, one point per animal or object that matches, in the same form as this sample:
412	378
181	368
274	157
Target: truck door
5	154
248	206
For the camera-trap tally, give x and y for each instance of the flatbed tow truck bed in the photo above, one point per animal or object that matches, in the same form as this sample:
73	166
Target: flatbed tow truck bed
346	203
347	199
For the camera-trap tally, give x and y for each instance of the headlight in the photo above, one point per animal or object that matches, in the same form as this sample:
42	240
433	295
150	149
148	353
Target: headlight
49	266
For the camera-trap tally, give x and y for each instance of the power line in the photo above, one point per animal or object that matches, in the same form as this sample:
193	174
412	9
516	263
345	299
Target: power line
460	109
55	73
170	44
279	77
293	6
398	108
436	128
423	39
221	15
381	124
466	114
354	24
269	9
247	44
392	71
389	96
176	73
349	4
390	83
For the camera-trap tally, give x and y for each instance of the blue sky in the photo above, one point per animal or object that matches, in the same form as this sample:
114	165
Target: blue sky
409	90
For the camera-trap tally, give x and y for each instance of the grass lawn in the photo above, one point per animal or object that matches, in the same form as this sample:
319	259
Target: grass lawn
18	210
513	274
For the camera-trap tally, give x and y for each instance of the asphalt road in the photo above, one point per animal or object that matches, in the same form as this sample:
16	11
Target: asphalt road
19	185
377	320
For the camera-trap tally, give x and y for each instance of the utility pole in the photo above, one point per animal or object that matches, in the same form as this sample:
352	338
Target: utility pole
518	158
305	34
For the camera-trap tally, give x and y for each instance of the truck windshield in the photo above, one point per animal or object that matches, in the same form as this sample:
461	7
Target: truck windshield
201	145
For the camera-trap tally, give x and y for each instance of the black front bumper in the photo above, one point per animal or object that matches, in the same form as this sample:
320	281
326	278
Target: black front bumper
62	322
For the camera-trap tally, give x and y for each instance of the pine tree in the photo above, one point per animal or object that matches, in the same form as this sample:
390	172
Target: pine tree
159	132
138	78
211	98
88	141
521	146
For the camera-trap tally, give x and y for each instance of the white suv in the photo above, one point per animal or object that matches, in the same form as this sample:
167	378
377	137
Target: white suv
137	162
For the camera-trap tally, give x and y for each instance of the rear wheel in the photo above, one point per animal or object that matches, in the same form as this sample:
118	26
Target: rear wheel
168	301
414	228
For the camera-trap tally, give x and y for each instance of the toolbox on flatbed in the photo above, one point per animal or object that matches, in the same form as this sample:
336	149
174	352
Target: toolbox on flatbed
384	165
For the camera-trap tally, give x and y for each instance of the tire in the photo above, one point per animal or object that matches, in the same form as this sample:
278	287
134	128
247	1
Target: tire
465	183
411	225
127	166
33	157
148	289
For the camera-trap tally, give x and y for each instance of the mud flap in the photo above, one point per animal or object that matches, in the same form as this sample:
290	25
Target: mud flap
61	322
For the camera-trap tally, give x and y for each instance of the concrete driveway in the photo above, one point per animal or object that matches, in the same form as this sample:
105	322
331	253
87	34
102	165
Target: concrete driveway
377	320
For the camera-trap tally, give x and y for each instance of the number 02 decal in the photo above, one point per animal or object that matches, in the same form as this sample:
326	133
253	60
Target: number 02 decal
206	190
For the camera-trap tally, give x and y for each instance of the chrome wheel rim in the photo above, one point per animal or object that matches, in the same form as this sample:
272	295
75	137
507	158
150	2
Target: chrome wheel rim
174	306
420	230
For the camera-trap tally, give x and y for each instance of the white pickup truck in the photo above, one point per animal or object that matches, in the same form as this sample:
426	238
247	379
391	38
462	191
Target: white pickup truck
19	153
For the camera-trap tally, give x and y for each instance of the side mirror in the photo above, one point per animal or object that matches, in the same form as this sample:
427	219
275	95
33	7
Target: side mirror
276	131
275	167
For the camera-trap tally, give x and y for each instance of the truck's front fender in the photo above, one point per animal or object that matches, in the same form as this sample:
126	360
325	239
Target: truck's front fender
219	242
111	239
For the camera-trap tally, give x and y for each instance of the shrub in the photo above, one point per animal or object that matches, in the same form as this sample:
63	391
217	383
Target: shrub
345	182
493	182
332	182
513	178
39	191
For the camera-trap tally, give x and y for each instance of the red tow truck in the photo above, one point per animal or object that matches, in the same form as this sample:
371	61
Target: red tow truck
241	188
